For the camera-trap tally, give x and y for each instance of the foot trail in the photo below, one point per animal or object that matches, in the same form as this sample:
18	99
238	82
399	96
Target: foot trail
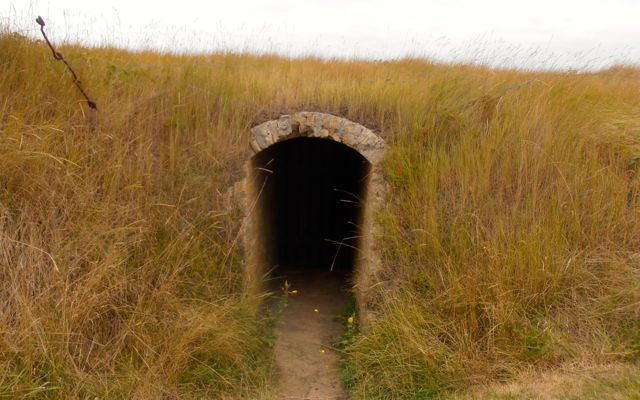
309	325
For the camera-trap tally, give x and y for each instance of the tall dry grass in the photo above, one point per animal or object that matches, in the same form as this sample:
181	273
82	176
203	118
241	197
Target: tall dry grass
510	238
117	278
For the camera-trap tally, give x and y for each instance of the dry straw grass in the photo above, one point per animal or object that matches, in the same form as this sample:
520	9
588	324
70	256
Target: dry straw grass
511	235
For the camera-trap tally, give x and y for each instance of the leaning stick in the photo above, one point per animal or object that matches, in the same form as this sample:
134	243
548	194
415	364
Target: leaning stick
58	56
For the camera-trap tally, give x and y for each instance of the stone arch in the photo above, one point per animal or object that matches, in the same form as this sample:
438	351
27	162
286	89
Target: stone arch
329	127
320	125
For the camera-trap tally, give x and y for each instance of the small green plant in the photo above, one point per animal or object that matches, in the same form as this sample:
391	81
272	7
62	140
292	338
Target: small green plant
274	313
534	342
349	319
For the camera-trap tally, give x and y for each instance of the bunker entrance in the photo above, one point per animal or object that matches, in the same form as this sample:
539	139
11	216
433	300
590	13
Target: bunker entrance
311	195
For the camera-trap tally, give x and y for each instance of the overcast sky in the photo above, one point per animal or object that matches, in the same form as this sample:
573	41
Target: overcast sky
540	34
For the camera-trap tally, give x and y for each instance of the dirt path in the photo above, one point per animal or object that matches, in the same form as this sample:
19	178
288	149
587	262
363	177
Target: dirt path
309	325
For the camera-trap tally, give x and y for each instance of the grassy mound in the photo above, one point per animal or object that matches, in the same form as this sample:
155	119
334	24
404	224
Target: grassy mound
512	233
510	238
120	273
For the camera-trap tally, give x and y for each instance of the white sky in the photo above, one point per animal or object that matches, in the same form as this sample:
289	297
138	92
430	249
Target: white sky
540	34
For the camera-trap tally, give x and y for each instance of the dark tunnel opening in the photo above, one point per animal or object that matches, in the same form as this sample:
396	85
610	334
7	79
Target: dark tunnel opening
311	195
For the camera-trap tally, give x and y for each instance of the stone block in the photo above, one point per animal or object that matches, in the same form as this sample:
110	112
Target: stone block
254	145
284	123
304	128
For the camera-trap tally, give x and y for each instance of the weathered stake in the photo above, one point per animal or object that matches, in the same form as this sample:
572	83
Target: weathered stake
58	56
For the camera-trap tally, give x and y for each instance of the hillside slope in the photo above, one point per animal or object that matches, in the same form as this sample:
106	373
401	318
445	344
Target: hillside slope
511	235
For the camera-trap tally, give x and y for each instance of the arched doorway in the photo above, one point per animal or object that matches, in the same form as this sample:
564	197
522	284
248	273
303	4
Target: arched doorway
313	184
309	208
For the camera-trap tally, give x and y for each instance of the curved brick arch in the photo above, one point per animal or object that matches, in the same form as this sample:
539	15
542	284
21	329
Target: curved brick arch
330	127
320	125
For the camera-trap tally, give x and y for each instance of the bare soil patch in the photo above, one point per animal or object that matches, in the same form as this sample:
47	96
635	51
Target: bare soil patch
309	326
